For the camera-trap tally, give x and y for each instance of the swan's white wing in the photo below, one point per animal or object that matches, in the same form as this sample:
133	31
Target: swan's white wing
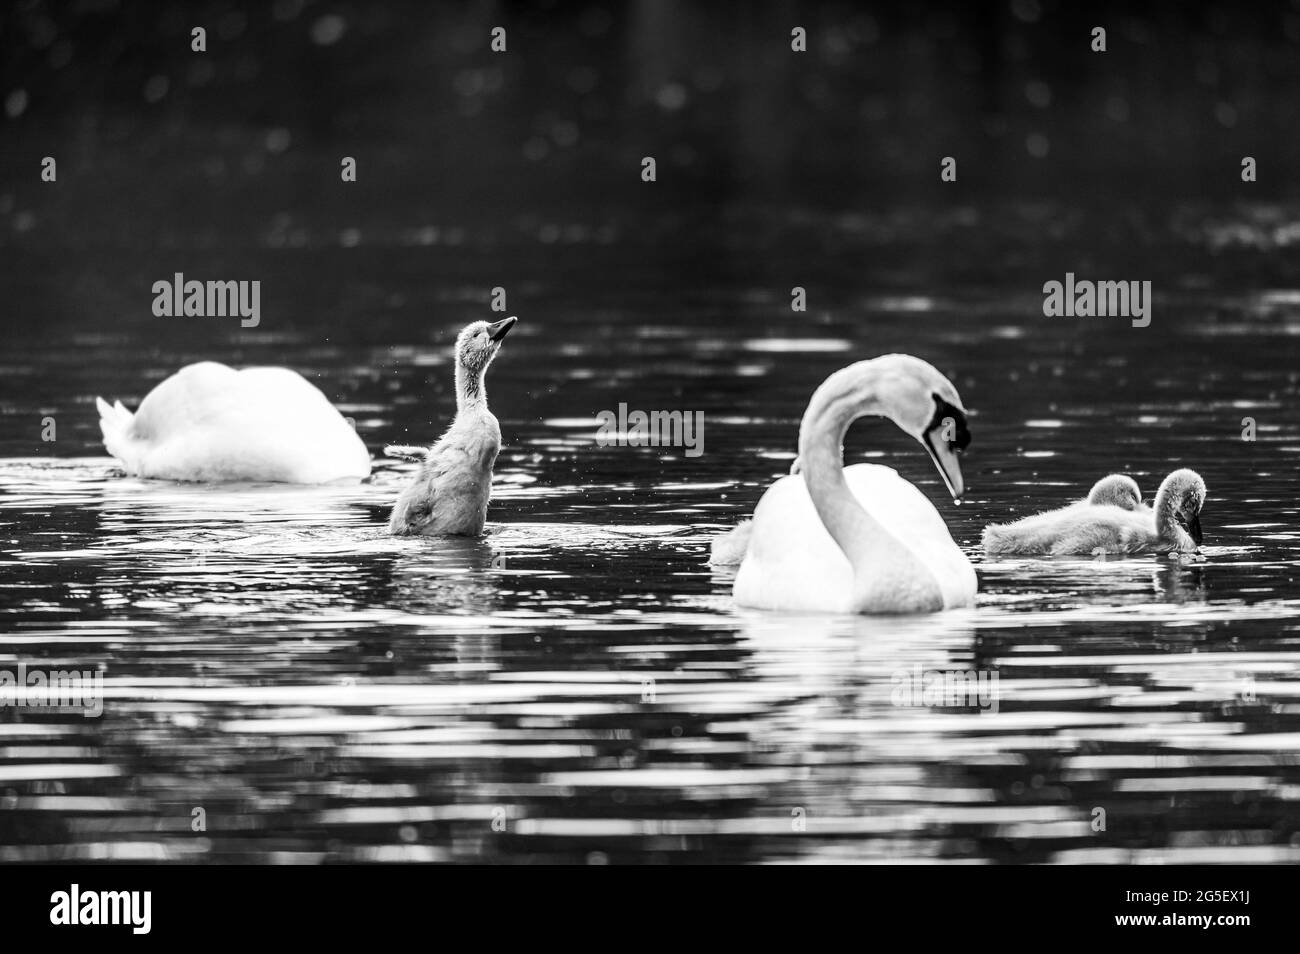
209	394
793	563
211	422
911	519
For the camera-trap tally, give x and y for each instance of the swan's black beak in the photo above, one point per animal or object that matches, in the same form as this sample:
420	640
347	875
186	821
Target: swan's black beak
945	438
945	459
498	330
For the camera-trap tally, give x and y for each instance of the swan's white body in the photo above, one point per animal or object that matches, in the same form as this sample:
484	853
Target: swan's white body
211	423
793	563
860	539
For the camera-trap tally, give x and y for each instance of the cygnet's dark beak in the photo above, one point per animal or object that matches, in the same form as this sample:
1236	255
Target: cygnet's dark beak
1192	525
498	330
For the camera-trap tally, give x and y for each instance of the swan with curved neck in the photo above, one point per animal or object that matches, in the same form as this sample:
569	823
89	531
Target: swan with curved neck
212	423
861	539
1178	511
1173	525
450	492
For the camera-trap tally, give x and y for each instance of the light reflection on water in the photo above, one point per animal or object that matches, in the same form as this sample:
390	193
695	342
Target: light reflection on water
578	686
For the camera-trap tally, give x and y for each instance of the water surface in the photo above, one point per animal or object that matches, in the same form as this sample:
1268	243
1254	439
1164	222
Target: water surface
577	685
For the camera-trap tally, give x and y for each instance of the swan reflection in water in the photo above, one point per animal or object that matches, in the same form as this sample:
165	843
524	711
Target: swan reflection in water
447	575
1180	578
858	753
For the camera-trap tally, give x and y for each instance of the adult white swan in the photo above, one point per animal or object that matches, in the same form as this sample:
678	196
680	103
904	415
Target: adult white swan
208	422
862	539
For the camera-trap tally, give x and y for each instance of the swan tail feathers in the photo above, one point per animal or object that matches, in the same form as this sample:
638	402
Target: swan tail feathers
406	452
729	549
115	425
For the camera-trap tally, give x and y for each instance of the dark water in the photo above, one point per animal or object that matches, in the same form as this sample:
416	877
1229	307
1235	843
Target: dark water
577	686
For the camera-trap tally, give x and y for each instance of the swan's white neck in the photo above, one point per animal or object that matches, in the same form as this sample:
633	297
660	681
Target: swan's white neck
471	388
841	399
